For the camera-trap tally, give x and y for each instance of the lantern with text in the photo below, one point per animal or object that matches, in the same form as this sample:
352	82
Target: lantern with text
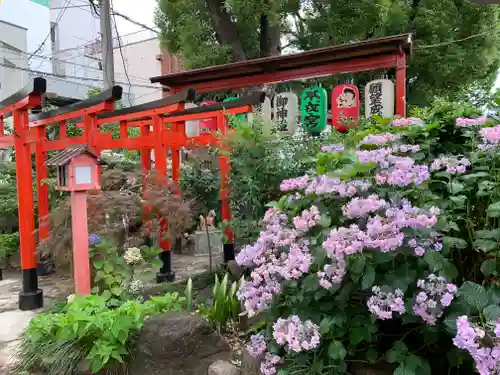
379	98
192	126
313	109
345	107
285	111
208	125
230	99
77	172
263	111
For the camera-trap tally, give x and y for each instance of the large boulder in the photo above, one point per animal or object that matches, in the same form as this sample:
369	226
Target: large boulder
223	368
178	344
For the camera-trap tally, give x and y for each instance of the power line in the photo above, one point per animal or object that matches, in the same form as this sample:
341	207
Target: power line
69	62
59	16
489	32
70	76
121	54
136	22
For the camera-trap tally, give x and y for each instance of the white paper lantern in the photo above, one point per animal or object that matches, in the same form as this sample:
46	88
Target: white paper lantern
192	126
286	112
263	110
379	98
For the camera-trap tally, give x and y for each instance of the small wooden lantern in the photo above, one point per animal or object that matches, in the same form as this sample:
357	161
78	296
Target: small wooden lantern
77	169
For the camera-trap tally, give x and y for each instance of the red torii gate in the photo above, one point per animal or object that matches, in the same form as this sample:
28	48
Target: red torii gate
378	53
30	136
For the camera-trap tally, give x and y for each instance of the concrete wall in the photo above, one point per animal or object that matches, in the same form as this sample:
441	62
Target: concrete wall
140	62
35	17
13	58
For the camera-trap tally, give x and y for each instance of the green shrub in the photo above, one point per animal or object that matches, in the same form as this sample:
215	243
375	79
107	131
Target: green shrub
88	334
224	306
9	244
120	276
384	254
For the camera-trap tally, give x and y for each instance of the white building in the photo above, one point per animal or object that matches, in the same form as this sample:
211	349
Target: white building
58	39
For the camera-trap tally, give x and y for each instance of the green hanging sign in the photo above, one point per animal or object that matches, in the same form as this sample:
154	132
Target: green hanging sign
230	99
313	109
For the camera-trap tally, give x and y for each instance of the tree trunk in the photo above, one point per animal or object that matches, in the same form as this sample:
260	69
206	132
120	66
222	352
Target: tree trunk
225	29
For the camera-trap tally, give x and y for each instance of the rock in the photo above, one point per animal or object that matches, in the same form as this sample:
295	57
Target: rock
178	344
15	260
223	368
235	269
249	364
200	239
13	324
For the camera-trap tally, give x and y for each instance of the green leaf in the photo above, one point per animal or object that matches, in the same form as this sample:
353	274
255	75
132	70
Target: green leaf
455	242
368	277
403	369
493	234
485	245
489	267
156	263
358	263
459	200
117	291
324	326
456	187
98	264
336	350
434	259
493	210
371	355
491	313
397	352
474	295
325	221
356	335
106	294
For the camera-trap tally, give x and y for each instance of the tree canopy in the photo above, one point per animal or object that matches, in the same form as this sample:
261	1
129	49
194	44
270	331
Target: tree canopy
457	42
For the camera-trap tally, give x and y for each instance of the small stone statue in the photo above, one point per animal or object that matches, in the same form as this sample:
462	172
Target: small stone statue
210	220
203	223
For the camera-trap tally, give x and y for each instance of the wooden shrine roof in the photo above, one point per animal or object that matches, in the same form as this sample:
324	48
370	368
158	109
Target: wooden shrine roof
276	64
67	154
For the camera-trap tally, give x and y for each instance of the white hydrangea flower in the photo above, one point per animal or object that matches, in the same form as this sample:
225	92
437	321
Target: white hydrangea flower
70	298
132	255
136	287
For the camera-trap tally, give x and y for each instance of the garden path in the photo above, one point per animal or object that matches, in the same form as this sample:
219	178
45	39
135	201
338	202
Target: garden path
55	288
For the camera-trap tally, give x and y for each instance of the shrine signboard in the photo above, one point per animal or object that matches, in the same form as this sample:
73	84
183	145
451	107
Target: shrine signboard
345	107
285	111
208	125
379	98
313	109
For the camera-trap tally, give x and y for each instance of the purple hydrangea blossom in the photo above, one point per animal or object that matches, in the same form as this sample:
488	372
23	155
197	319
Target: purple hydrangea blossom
379	139
268	365
323	185
299	183
400	122
272	265
359	207
436	294
472	338
94	239
491	137
336	147
383	304
307	220
257	345
404	172
296	335
466	122
406	148
451	164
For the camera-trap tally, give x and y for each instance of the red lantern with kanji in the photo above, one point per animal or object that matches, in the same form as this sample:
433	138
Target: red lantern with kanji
208	125
345	107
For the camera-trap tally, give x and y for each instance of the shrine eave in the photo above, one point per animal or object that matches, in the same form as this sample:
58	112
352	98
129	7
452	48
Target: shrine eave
369	54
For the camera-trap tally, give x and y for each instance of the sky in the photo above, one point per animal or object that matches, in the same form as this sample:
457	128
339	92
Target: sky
144	13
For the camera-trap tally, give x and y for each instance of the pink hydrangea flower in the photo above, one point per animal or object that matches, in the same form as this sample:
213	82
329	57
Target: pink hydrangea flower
383	304
435	295
296	335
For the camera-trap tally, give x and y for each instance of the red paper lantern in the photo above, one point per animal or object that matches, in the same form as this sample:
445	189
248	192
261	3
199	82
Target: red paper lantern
208	125
345	107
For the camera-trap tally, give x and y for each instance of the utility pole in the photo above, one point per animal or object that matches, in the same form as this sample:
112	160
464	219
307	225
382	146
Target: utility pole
106	44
